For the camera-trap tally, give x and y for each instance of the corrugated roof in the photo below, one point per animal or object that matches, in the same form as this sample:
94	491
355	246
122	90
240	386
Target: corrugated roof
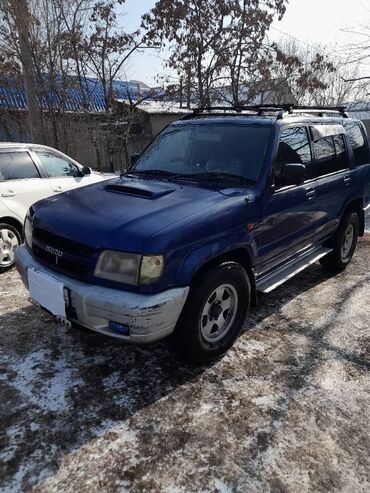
73	98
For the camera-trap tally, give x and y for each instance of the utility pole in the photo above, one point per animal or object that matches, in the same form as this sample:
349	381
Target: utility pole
21	16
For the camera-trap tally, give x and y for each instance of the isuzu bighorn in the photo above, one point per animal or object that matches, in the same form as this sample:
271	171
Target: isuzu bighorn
222	204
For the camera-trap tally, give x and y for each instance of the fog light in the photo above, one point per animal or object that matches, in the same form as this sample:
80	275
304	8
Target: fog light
117	327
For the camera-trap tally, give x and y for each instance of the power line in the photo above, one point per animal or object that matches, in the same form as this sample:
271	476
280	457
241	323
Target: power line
293	37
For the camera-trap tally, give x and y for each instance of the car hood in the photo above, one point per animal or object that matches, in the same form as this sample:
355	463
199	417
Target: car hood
121	214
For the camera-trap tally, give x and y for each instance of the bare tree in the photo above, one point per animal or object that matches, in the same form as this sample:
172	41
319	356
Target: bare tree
193	31
305	71
107	47
221	48
15	29
246	50
358	53
69	44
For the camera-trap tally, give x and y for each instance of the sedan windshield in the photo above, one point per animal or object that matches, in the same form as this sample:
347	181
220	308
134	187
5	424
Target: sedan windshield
198	150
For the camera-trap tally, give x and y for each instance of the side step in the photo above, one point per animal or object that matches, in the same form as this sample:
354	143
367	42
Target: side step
273	279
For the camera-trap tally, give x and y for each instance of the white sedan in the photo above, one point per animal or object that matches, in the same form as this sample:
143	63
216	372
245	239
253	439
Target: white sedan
28	173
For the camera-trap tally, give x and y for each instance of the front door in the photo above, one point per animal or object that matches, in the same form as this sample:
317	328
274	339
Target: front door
289	211
20	182
63	174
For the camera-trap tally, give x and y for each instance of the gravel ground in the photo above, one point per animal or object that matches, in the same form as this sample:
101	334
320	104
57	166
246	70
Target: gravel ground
287	409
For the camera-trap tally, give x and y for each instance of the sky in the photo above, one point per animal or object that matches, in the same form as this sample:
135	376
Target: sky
309	21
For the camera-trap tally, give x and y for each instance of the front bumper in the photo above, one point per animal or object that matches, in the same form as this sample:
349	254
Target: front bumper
147	317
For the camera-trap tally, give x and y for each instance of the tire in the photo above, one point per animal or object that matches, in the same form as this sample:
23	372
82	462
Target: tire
214	313
343	243
10	238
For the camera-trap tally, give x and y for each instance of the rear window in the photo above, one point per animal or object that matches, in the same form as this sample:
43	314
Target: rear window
330	155
358	143
17	166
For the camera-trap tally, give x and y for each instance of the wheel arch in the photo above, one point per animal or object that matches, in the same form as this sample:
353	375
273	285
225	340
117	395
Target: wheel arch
356	205
239	255
13	222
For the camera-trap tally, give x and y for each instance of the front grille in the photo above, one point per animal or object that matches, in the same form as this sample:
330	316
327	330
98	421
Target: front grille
75	248
63	264
77	259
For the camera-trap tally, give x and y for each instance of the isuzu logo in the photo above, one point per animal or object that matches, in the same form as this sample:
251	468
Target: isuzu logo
54	251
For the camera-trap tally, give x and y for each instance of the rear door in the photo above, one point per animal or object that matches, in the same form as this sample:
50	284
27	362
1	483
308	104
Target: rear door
20	182
356	136
62	173
289	212
334	177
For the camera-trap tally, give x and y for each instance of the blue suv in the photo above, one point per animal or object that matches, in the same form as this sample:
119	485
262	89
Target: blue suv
222	204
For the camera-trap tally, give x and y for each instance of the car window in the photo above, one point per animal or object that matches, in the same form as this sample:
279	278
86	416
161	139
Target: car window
358	143
341	152
17	166
294	148
56	166
330	154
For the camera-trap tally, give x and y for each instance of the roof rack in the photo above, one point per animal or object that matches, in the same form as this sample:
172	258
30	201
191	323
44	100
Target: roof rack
282	110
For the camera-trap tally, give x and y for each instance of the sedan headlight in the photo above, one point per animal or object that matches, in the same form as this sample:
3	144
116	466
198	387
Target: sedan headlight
129	268
28	231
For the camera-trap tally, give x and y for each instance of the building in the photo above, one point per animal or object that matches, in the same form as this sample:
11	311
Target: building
76	119
360	110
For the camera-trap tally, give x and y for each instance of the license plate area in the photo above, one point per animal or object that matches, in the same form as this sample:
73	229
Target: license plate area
47	292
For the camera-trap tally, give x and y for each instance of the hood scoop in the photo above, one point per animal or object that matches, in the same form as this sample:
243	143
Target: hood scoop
143	190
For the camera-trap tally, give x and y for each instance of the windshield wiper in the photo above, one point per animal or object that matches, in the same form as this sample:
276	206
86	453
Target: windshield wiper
217	175
150	172
191	176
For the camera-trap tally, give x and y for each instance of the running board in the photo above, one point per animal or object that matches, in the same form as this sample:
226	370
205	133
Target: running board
273	279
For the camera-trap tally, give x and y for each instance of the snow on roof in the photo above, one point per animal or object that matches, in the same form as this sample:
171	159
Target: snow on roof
158	107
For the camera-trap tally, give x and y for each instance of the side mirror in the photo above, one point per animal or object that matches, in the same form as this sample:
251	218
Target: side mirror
86	170
133	159
292	174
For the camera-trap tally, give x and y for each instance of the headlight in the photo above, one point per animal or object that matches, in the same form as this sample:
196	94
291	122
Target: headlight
129	268
151	268
28	229
118	266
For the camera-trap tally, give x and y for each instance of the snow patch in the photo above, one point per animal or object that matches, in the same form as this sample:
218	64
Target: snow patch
47	393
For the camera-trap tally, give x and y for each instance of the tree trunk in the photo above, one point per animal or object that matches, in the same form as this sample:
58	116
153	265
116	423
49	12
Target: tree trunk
188	90
21	16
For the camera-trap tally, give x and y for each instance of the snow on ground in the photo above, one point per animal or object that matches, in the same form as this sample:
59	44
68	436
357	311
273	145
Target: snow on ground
287	409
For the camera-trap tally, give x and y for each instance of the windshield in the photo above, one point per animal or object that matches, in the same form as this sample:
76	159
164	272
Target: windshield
207	149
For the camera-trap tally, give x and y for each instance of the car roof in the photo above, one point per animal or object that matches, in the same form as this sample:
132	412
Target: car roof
237	119
7	145
28	145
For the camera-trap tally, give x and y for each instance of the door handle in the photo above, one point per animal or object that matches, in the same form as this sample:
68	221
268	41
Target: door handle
310	193
347	180
8	193
58	189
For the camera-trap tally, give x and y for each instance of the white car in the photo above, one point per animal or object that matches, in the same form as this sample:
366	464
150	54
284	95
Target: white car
28	173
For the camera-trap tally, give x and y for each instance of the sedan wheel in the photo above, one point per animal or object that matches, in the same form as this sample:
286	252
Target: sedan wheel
9	241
